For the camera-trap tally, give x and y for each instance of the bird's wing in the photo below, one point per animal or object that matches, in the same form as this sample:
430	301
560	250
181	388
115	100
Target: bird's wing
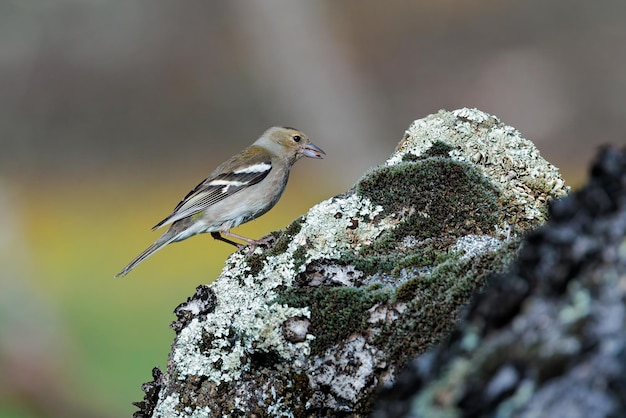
219	186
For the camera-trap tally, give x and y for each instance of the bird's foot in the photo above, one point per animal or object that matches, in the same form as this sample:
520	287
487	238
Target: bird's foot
263	242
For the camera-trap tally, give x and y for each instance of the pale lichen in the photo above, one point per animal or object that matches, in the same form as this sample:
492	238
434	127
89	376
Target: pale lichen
345	369
338	225
474	245
170	408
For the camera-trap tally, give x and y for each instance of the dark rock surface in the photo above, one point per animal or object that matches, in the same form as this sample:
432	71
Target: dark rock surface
548	337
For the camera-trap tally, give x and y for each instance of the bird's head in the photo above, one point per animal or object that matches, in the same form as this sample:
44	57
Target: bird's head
290	143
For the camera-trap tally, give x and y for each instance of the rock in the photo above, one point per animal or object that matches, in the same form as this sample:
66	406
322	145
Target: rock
547	338
352	291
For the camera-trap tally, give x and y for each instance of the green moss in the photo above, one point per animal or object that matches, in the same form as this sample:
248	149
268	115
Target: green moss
336	312
434	300
393	261
410	158
438	149
433	303
422	257
437	199
438	196
368	264
444	276
285	237
255	262
407	290
299	257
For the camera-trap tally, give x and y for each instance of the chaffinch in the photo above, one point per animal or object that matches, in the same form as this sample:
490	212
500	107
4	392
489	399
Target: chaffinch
241	189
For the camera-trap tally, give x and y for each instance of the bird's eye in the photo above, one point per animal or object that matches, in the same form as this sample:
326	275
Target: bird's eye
297	138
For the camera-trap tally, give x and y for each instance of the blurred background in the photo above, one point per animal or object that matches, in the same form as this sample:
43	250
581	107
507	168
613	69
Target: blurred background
111	111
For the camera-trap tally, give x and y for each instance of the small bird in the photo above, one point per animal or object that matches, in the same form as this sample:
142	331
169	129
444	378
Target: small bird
241	189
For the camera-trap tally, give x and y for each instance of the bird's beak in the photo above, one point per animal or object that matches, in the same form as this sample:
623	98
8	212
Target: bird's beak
312	151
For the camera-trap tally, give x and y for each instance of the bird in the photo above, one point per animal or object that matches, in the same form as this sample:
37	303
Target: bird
241	189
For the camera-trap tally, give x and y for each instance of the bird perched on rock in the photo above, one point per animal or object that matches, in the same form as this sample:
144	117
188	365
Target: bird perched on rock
241	189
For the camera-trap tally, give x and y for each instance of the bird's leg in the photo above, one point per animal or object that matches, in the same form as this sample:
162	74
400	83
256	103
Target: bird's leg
252	243
217	236
248	240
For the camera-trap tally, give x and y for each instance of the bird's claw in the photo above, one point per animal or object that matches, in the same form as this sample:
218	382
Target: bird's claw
263	242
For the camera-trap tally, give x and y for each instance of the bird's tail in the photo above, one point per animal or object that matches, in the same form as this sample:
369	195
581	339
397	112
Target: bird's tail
160	243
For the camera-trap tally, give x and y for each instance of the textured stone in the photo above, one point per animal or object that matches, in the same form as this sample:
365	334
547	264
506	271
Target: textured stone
349	293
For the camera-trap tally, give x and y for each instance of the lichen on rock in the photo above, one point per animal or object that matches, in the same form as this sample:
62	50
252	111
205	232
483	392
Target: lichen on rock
348	293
